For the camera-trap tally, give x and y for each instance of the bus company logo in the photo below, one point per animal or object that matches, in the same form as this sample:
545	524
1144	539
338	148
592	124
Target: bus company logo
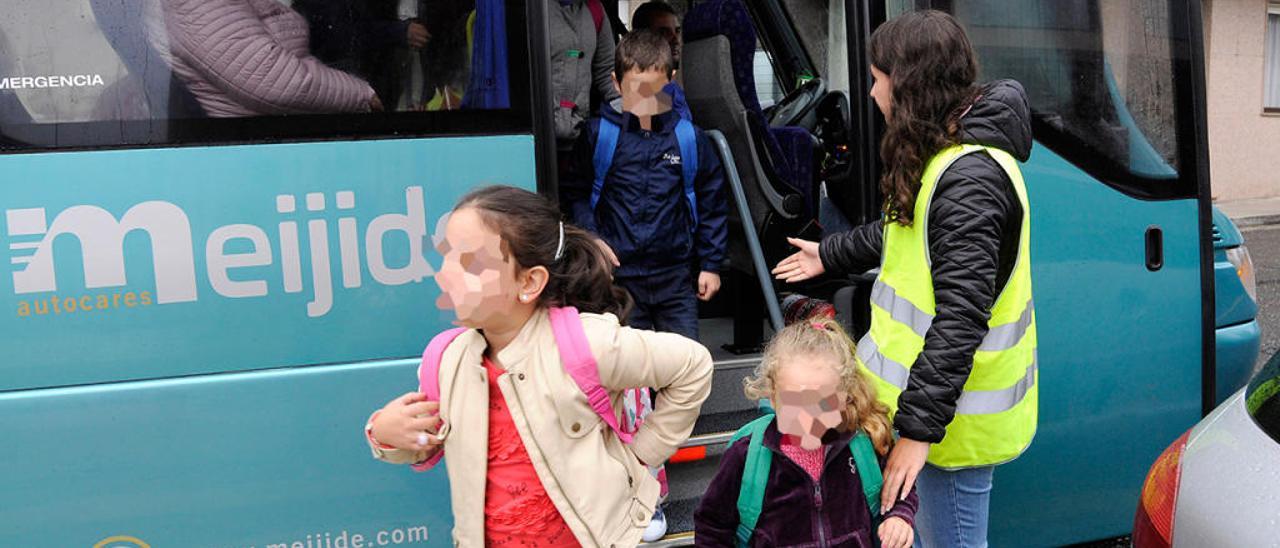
101	236
55	81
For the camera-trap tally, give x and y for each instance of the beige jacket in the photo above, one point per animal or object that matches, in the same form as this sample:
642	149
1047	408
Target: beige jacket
598	484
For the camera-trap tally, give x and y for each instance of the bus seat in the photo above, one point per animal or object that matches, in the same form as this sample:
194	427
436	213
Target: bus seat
720	86
717	106
799	147
123	24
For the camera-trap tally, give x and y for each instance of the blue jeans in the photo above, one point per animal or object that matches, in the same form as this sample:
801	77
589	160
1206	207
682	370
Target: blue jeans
954	507
664	301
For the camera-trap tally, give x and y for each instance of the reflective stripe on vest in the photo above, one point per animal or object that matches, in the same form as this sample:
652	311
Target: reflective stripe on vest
1000	337
971	402
996	411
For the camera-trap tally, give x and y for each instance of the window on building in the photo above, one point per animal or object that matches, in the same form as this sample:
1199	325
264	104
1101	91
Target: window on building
1271	93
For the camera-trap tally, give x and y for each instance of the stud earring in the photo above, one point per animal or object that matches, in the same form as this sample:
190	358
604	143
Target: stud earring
524	298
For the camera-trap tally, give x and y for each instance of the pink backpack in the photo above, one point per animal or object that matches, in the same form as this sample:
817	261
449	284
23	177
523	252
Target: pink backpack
575	356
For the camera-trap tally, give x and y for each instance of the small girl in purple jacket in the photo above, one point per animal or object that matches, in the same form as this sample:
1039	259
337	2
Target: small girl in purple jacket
813	495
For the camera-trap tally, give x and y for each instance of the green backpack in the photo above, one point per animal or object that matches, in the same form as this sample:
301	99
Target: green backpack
755	474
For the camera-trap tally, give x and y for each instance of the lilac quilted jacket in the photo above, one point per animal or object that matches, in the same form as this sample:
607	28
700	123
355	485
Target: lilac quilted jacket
251	57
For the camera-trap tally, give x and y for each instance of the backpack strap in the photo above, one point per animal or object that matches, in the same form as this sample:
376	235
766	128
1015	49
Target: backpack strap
606	144
429	369
687	137
597	13
429	379
755	475
576	357
868	465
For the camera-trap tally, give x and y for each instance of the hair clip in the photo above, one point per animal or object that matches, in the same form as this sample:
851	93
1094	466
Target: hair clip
560	244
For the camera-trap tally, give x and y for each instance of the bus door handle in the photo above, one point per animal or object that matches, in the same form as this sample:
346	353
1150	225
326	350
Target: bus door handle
1155	248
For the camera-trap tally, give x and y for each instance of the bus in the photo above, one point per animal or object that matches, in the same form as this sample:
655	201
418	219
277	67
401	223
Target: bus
219	217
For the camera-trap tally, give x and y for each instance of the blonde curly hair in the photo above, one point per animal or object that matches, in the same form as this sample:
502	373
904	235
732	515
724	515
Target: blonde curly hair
825	337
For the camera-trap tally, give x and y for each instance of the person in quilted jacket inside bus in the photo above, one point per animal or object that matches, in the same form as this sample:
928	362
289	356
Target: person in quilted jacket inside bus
252	58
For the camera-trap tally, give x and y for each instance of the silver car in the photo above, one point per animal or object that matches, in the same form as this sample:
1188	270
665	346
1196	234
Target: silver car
1219	484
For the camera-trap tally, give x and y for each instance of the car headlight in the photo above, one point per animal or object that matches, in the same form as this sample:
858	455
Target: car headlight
1239	257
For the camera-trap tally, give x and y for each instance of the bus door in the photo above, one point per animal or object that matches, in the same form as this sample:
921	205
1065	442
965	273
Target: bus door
1120	224
1120	242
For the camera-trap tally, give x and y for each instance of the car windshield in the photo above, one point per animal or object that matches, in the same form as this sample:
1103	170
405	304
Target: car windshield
1263	398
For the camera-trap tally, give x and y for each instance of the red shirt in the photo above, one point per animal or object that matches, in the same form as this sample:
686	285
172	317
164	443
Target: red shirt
517	510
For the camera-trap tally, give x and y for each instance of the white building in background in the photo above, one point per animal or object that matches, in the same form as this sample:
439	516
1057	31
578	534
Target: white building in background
1242	50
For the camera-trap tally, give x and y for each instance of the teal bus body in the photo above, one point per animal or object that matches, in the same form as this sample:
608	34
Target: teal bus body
197	334
1120	352
203	419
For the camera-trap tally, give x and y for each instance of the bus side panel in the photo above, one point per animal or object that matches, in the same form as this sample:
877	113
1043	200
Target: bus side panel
236	460
153	263
1119	354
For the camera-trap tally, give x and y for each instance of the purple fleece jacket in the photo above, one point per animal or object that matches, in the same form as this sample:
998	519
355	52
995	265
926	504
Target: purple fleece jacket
797	511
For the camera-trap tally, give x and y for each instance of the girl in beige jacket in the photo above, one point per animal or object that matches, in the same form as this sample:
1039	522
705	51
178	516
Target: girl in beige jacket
530	460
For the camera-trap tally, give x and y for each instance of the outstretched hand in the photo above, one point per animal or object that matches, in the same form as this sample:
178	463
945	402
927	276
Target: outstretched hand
802	265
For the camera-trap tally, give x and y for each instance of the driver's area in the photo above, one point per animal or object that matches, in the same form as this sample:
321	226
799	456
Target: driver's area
772	78
748	75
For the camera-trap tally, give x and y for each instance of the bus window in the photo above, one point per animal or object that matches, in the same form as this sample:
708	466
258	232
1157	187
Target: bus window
768	88
1099	76
120	67
823	34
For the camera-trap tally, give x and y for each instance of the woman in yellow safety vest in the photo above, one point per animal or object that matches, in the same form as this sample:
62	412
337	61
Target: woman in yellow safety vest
952	343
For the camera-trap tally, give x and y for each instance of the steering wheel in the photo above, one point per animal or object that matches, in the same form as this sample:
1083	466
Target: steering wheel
798	103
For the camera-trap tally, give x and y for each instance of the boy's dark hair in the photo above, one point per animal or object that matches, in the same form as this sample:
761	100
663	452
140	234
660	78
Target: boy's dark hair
643	18
529	225
643	50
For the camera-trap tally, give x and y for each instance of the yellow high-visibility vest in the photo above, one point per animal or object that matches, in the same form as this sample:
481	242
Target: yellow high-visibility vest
995	416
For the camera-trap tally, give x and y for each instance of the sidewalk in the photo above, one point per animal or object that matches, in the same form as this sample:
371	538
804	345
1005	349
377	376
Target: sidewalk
1250	213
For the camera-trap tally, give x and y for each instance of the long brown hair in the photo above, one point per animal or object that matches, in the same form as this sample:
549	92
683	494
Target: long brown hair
820	336
931	63
529	225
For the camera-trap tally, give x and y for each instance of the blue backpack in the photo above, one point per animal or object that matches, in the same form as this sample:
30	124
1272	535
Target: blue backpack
686	136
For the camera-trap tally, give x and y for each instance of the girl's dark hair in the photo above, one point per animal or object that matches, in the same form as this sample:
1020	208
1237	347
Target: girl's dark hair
931	63
529	225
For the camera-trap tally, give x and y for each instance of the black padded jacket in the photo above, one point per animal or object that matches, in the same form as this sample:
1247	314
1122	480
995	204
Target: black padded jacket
974	222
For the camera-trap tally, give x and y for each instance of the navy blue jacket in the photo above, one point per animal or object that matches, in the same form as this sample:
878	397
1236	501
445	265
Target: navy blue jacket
642	213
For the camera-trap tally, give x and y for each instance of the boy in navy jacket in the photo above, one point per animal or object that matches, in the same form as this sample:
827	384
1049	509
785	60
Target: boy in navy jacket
664	221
